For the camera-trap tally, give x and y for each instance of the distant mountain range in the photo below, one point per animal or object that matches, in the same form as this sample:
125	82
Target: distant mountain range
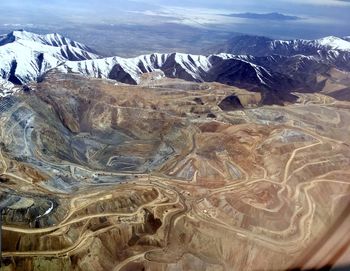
275	68
262	46
274	16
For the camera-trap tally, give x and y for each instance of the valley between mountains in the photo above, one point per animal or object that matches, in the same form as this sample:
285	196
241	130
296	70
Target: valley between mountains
172	162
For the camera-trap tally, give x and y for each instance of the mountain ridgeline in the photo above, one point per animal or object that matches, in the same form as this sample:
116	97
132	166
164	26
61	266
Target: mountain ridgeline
275	68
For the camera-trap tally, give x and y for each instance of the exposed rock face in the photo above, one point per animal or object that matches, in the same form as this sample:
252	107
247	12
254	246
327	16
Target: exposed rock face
230	103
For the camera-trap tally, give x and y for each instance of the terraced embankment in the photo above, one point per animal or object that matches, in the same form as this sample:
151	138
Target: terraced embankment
161	176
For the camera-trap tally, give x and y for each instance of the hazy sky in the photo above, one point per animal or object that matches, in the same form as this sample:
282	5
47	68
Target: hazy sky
319	17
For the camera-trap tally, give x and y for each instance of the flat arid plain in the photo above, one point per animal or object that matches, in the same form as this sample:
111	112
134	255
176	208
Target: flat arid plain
171	175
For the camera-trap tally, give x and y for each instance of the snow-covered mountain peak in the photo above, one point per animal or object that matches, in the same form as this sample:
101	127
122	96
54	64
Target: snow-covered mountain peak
18	35
24	56
262	46
334	43
22	34
54	39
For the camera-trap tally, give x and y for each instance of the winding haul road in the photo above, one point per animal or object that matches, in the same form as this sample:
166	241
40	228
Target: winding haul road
175	194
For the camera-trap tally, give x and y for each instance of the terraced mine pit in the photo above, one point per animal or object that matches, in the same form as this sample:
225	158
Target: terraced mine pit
169	175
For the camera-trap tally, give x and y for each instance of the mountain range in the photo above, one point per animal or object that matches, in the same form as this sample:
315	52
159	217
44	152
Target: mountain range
25	56
263	46
274	16
276	68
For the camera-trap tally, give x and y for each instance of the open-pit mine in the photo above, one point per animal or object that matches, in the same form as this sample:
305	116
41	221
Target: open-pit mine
171	175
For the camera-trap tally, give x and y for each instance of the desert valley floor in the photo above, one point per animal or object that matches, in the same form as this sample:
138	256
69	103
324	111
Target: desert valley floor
171	175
